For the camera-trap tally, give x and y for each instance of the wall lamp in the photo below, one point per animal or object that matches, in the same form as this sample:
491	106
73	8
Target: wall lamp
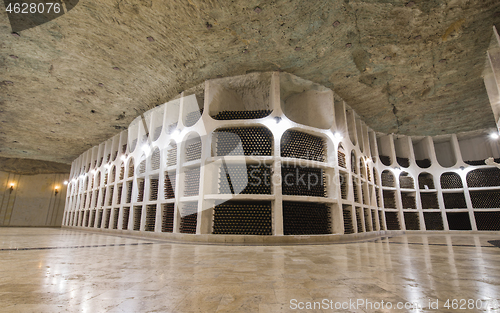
56	190
11	187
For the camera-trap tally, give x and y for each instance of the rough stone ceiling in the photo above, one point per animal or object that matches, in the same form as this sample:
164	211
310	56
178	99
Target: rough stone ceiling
405	67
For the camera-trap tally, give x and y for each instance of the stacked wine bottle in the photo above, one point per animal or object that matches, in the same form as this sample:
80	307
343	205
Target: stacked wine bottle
359	220
387	179
487	220
343	185
485	177
243	218
122	172
386	160
408	200
116	213
412	222
153	189
192	117
110	200
404	162
245	179
454	200
303	181
155	159
389	199
167	224
355	190
348	227
189	217
424	163
141	169
169	186
392	221
487	199
137	217
193	150
140	191
433	221
341	159
451	180
306	218
243	141
458	220
126	215
130	170
368	225
429	200
300	145
172	155
241	115
192	182
150	218
406	182
130	185
107	217
103	198
99	218
425	179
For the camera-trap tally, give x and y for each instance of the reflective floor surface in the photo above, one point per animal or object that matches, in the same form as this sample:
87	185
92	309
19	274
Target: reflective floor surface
58	270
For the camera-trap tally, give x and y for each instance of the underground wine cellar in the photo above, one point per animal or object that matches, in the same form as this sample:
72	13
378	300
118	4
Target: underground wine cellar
271	154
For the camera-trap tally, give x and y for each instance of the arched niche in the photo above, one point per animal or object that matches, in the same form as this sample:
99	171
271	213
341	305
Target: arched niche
246	140
302	145
425	179
305	102
483	177
406	181
133	134
131	168
240	97
445	153
192	147
388	179
353	162
341	156
155	159
422	151
451	180
156	122
384	149
141	168
112	175
402	147
171	154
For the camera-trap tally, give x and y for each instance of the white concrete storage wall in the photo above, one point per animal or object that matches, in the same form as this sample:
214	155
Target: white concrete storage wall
354	193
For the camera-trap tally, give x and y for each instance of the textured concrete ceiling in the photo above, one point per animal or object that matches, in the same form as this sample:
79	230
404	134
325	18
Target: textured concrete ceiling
405	67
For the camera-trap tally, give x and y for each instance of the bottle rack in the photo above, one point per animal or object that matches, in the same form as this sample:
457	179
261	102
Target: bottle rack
458	220
150	218
255	141
245	179
137	218
346	213
155	159
99	218
412	221
189	218
153	189
167	224
126	216
487	220
107	218
140	190
300	145
306	218
116	213
242	218
169	188
392	221
433	221
269	124
192	182
241	115
454	201
359	221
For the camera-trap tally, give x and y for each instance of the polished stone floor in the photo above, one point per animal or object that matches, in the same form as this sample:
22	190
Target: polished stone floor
58	270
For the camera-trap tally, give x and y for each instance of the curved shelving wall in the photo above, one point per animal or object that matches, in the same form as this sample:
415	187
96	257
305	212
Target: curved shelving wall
272	154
